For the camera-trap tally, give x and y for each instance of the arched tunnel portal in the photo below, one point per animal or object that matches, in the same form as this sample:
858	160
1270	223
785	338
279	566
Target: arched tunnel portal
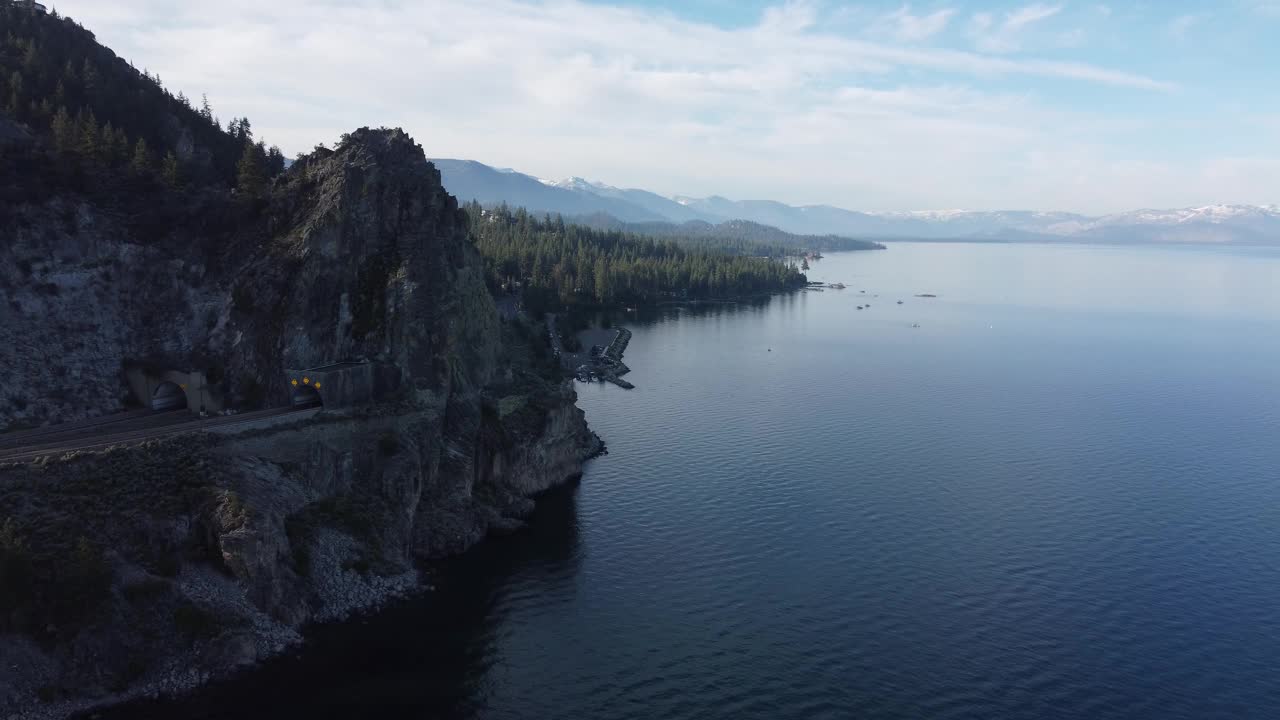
307	395
169	396
164	389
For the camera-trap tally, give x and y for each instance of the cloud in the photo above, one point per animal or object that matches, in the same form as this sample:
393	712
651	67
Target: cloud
905	26
1179	26
786	107
1008	34
1022	17
794	16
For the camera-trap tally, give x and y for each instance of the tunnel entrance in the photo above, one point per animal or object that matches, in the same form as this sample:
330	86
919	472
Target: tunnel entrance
168	396
306	396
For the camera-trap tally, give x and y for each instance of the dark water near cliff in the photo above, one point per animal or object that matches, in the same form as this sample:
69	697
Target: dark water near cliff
1059	497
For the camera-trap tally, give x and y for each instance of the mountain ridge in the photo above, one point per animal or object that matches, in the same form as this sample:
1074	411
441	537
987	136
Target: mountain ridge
1225	223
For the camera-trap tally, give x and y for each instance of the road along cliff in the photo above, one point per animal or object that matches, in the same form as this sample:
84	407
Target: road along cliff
155	566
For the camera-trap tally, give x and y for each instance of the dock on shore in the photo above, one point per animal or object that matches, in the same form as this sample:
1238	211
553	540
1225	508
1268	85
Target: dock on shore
608	365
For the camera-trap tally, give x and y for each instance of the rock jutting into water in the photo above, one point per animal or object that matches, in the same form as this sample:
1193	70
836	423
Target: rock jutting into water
158	566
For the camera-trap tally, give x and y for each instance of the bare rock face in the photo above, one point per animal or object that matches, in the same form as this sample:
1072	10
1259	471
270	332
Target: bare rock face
153	568
375	263
359	254
80	299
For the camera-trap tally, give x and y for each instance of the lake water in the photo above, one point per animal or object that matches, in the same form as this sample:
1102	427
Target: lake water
1058	497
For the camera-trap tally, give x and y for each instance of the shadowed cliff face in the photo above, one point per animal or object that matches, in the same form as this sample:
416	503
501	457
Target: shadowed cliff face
373	262
358	253
156	567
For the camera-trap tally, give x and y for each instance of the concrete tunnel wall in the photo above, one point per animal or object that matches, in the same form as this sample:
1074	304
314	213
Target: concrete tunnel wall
144	382
340	385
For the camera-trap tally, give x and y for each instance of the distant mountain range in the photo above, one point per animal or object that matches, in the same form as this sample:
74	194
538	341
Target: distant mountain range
576	197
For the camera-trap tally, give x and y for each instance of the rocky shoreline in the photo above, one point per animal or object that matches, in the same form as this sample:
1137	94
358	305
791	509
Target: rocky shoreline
350	595
150	569
244	632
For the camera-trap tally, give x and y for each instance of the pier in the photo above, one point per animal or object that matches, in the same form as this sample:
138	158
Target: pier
607	365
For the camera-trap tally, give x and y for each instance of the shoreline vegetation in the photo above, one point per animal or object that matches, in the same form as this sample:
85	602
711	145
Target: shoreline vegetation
556	266
735	237
538	265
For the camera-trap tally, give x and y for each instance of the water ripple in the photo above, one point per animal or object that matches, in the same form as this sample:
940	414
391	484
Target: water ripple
1036	505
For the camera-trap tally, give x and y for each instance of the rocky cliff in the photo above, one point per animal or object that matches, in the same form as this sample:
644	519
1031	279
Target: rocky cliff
152	567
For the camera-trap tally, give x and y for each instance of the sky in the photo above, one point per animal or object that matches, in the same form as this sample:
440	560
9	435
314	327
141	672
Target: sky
1086	106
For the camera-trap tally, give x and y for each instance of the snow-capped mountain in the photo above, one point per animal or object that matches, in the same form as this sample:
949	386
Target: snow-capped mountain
469	180
1239	224
926	224
576	196
582	185
650	202
1208	213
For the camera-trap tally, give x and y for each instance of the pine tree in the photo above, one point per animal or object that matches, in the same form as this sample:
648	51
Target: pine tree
120	146
107	145
171	170
58	82
89	136
275	161
31	59
603	291
16	97
250	178
141	163
64	131
89	80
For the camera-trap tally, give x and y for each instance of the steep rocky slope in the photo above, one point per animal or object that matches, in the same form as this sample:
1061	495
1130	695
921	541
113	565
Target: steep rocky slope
154	567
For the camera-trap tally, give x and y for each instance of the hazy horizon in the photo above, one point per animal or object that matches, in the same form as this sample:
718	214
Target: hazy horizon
559	181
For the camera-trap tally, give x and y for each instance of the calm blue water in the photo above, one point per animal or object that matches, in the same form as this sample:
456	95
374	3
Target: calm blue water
1059	497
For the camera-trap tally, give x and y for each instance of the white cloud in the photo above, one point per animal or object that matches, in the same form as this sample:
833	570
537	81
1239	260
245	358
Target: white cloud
792	17
906	26
1022	17
1009	33
786	108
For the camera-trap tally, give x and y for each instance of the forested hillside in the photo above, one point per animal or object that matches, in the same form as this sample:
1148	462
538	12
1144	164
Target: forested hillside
562	265
738	237
97	117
